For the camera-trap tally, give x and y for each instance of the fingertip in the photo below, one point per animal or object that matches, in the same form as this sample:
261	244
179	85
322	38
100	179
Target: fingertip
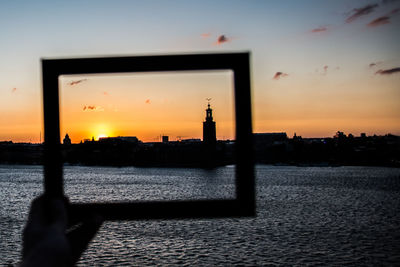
81	236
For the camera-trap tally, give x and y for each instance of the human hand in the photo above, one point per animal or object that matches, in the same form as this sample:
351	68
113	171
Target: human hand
46	241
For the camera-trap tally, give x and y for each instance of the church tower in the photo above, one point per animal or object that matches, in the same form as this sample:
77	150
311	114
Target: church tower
209	132
67	140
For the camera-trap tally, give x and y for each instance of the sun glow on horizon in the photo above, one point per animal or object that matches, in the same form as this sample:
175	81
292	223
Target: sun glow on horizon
102	130
101	136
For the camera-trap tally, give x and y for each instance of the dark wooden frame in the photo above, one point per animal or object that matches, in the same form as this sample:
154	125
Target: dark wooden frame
239	63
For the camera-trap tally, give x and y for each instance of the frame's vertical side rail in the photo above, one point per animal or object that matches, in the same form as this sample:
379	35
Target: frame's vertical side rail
244	136
53	179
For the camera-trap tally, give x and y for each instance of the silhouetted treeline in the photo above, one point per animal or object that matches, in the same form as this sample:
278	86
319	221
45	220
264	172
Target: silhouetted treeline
338	150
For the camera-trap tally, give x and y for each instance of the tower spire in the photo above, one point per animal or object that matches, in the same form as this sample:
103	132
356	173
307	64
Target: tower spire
208	100
209	111
209	133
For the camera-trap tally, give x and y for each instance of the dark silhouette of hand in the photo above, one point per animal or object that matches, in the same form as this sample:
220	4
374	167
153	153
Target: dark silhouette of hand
46	239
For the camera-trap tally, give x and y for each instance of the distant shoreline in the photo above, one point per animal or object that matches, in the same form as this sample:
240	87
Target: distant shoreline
300	165
269	148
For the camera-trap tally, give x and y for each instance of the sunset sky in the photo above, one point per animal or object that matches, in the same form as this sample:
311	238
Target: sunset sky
146	105
317	66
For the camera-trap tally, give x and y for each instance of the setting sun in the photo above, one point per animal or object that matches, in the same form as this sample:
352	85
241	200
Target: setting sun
101	130
101	136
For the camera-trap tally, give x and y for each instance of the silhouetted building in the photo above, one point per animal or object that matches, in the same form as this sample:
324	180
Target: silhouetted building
297	137
191	140
209	132
340	135
266	139
119	139
67	140
165	139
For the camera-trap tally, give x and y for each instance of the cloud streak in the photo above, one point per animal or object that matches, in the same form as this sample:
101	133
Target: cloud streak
359	12
388	71
325	69
389	1
379	21
394	11
319	29
374	64
76	82
93	108
222	39
279	74
383	19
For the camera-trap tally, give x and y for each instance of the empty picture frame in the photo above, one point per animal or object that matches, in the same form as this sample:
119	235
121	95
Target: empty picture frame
242	205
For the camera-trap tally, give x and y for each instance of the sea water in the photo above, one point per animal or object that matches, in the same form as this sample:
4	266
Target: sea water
305	216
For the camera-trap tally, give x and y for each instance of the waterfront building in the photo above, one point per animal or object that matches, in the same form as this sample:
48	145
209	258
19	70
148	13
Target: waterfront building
67	140
165	139
267	139
209	131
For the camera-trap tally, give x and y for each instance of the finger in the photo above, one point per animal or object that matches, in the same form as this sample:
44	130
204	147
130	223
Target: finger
44	212
80	237
56	211
36	213
34	225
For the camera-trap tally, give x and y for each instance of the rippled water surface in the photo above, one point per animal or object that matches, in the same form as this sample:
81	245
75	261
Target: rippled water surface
305	216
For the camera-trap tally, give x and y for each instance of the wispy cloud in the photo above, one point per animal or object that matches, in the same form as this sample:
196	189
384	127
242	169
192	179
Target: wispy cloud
76	82
379	21
279	74
319	29
93	108
383	19
206	35
222	39
389	1
388	71
325	70
394	11
374	64
359	12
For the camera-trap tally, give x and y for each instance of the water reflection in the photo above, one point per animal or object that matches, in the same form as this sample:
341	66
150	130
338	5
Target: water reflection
306	216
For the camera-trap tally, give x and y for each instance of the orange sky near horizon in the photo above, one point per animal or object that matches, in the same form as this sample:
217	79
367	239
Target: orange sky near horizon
176	107
145	105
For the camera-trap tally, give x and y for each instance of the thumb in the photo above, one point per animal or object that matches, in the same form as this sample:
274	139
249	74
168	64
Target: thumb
80	236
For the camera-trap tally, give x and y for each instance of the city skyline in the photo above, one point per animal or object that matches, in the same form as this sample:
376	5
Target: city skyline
209	133
316	66
104	132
